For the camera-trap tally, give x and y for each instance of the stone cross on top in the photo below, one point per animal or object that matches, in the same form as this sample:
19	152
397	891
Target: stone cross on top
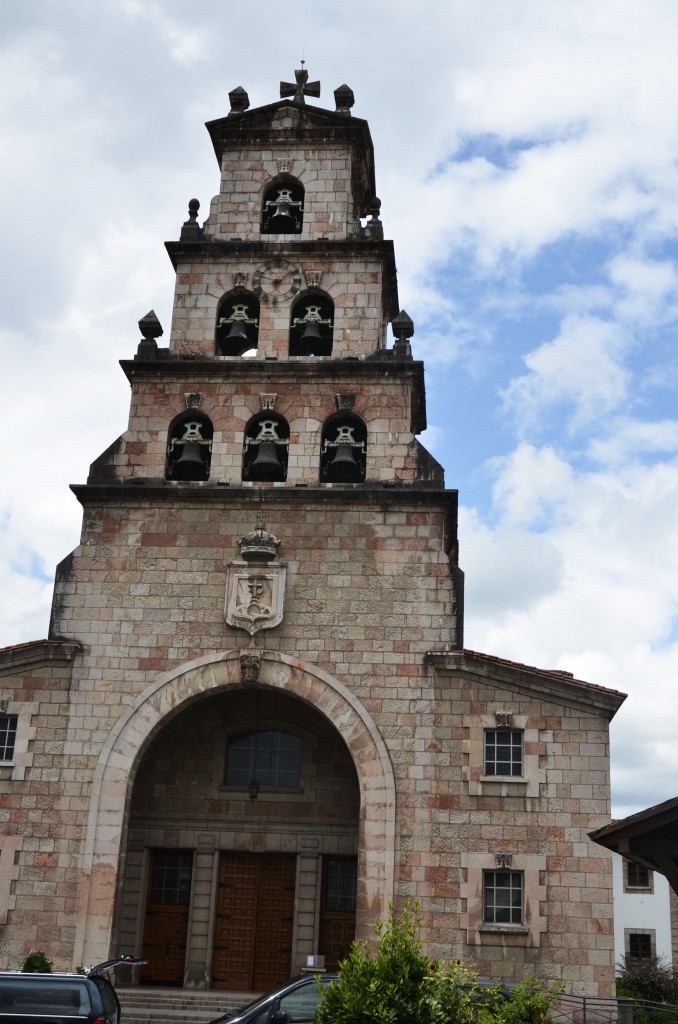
302	88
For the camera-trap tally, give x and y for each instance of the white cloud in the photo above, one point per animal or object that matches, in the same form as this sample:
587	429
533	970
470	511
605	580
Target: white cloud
581	367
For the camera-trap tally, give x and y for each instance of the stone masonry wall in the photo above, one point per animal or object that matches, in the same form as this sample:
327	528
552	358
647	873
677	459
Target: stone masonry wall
354	283
42	802
392	451
324	171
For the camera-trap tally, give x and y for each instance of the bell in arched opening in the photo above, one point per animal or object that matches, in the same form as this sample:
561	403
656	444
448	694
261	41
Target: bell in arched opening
283	209
189	450
238	326
311	327
343	451
265	450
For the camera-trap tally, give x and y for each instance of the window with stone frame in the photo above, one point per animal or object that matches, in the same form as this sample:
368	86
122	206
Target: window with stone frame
503	897
266	757
504	752
640	944
8	727
637	876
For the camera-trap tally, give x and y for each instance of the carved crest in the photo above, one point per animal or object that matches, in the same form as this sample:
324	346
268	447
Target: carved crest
254	597
255	591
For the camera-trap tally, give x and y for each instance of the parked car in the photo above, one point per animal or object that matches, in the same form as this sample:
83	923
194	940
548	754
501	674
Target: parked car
61	998
295	1002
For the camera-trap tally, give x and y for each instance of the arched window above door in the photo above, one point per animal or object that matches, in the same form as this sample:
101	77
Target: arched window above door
265	757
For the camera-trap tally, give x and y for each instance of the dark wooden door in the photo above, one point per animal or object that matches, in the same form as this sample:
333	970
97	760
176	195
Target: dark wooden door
255	917
166	921
337	916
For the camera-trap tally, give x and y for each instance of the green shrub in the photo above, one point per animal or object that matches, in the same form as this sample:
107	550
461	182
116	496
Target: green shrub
652	979
36	962
530	1003
398	985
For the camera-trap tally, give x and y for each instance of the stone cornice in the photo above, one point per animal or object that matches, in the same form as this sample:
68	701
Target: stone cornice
550	684
378	367
37	654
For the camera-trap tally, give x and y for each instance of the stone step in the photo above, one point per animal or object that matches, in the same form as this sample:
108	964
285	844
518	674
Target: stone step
176	1006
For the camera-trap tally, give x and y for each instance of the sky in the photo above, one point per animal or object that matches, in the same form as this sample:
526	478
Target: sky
527	163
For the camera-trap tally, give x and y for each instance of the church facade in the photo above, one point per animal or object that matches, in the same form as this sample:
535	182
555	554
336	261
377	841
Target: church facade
254	724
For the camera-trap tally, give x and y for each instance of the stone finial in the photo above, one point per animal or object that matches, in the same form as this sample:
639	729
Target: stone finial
151	329
403	329
249	667
240	101
344	100
301	88
190	229
374	228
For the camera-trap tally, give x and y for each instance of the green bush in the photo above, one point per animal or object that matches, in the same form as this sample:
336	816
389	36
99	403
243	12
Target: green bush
398	985
652	979
36	962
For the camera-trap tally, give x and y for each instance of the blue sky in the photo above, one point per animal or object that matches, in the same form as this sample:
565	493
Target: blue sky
527	162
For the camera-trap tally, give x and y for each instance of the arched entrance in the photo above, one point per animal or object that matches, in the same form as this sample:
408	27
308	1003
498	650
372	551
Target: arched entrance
164	800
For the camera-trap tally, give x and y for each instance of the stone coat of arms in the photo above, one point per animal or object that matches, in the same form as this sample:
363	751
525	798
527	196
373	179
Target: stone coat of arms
256	585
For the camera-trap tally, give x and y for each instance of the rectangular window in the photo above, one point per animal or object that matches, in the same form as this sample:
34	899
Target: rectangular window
171	877
341	884
640	946
7	736
637	875
503	897
504	752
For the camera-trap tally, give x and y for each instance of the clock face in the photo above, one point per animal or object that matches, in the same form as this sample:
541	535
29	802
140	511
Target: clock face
276	281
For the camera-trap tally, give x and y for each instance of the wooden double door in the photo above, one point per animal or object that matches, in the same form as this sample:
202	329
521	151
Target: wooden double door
254	920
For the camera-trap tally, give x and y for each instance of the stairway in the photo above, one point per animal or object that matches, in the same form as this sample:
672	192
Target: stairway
141	1005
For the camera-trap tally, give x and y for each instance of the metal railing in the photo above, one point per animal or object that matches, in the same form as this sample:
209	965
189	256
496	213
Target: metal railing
621	1010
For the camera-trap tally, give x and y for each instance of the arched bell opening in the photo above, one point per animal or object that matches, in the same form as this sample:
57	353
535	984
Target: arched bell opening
282	211
265	448
343	449
312	325
237	329
244	794
189	447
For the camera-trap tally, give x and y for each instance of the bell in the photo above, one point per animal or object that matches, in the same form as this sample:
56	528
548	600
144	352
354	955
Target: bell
267	465
311	342
344	468
236	341
190	465
283	221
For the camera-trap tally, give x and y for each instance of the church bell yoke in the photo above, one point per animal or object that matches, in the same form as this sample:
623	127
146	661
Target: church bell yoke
254	725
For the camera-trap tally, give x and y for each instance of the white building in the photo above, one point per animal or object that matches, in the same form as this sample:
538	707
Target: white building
642	912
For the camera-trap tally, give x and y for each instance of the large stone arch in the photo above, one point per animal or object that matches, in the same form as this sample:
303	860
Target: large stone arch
143	718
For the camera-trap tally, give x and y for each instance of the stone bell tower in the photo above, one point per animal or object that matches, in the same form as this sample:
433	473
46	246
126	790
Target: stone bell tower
260	723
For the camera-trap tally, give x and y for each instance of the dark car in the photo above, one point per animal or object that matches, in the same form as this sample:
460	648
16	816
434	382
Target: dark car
295	1002
61	998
